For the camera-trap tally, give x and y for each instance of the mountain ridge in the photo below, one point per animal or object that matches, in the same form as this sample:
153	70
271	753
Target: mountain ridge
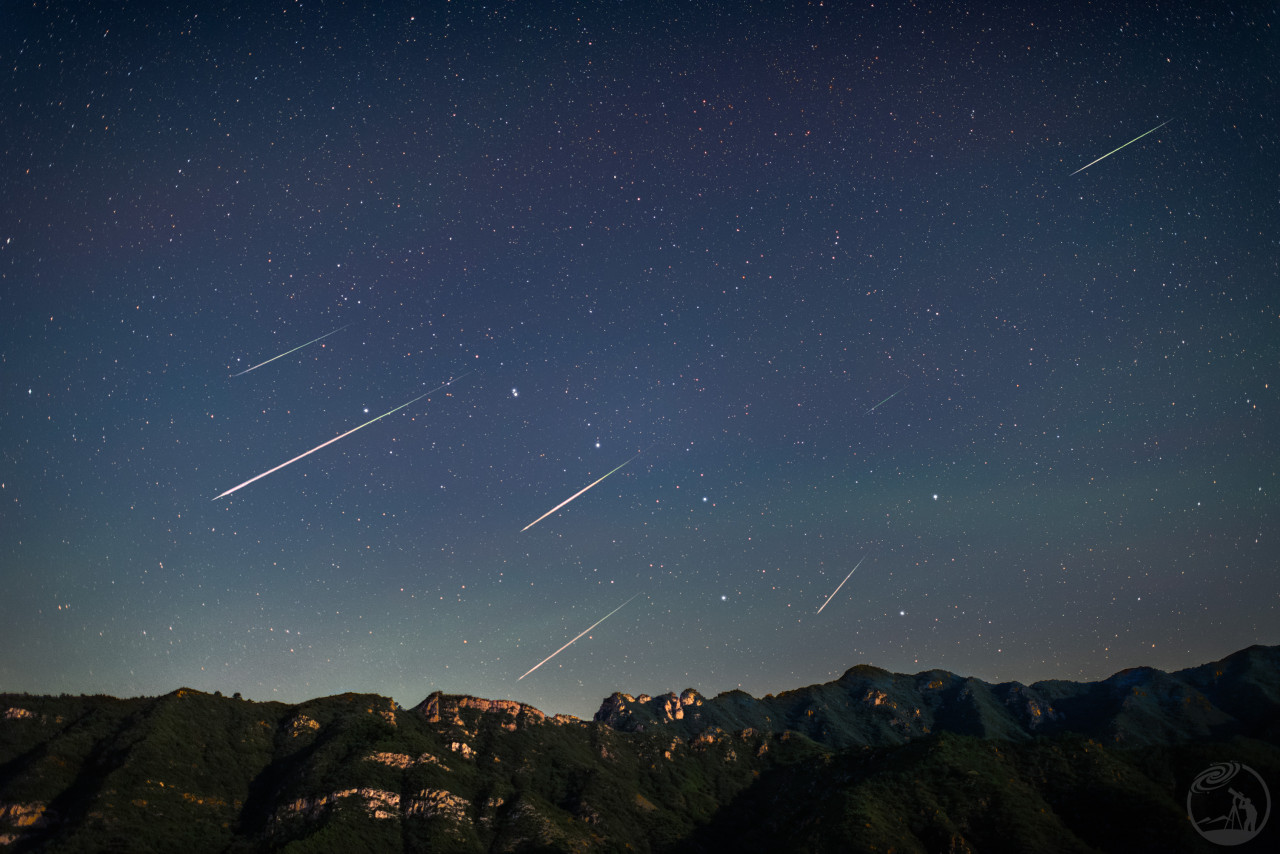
870	705
870	761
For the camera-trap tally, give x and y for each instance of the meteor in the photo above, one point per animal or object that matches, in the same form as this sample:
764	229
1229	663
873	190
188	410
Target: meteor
335	438
1130	142
566	501
287	352
590	627
886	400
841	584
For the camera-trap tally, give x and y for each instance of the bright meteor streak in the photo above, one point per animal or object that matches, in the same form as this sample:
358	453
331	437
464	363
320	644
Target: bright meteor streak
335	438
841	584
566	501
590	627
294	350
886	400
1130	142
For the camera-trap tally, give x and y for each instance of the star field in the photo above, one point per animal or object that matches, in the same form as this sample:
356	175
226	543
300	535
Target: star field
821	269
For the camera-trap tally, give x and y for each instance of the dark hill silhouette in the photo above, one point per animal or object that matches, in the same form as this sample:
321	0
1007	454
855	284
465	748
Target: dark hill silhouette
1238	696
871	761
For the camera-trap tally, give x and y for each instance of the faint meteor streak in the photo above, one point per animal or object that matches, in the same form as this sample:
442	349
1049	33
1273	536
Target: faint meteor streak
1130	142
294	350
335	438
841	584
590	627
566	501
886	400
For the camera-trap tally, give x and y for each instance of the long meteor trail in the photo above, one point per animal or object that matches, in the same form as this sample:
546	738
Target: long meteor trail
566	501
1130	142
841	584
886	400
336	438
589	628
287	352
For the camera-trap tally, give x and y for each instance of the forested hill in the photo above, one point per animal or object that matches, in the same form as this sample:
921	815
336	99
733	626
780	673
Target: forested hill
871	761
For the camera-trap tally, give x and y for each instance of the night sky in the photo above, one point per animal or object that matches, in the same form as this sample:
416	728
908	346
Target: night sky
820	275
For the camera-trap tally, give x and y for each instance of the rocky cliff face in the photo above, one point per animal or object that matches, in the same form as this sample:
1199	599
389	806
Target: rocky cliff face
449	708
633	714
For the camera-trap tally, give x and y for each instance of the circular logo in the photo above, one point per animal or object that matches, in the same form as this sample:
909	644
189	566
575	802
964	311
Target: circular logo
1228	803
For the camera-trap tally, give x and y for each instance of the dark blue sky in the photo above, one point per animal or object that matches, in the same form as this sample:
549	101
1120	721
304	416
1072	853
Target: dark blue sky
825	268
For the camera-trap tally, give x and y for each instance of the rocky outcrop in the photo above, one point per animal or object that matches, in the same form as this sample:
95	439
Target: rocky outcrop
19	820
613	710
1032	710
377	803
301	724
16	713
632	714
404	761
450	708
432	803
22	815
